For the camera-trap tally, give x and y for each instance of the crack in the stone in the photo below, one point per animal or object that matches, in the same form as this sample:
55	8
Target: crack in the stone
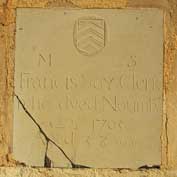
146	167
167	140
47	161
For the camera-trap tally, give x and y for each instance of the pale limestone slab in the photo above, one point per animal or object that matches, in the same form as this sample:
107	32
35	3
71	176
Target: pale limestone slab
89	85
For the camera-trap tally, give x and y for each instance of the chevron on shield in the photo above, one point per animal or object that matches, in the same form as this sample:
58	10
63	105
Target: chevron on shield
89	35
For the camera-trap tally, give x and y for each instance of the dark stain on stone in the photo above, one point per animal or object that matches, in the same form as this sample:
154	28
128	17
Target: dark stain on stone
146	167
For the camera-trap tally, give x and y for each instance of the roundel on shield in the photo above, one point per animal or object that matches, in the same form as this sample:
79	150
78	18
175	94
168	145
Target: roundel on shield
89	35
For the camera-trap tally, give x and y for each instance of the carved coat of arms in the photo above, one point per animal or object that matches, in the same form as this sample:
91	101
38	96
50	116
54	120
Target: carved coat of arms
89	35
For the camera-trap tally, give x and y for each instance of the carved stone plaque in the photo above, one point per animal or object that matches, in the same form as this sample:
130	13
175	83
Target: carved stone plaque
88	87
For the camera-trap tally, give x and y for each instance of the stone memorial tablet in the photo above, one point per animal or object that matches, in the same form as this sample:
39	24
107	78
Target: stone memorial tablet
88	87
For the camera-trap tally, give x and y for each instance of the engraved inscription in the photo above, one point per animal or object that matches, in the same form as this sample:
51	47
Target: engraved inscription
89	35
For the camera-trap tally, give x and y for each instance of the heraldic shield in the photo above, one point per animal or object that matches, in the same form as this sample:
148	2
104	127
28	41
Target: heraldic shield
89	35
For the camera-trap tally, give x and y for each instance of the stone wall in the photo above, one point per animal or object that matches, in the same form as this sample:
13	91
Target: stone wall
7	47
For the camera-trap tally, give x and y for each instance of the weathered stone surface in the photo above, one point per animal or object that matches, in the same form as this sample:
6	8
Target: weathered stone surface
2	2
32	172
91	82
